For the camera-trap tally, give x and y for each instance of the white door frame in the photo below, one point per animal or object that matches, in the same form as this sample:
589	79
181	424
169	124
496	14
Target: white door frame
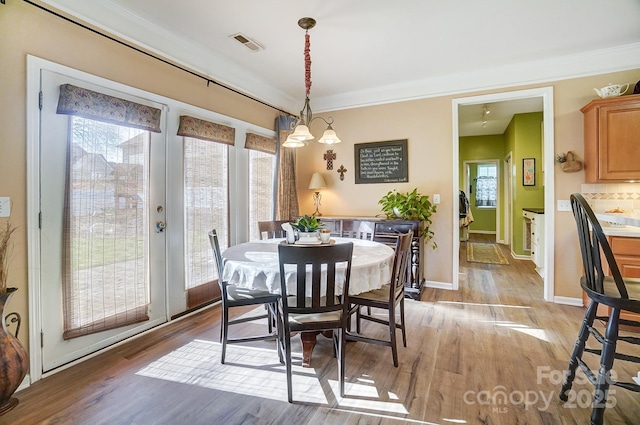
508	203
546	95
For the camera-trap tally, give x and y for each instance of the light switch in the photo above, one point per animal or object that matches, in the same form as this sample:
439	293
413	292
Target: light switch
436	198
564	205
5	207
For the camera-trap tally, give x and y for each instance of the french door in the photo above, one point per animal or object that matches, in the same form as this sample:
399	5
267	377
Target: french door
102	239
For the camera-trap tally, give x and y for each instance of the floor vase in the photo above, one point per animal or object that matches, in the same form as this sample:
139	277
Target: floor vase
14	361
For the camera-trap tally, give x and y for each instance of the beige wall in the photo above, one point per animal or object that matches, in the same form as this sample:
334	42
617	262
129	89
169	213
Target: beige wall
427	124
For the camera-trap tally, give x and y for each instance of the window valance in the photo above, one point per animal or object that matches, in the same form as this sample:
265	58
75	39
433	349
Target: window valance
206	130
260	143
101	107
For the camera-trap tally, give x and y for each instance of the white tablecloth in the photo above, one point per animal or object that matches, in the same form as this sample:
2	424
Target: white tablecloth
255	265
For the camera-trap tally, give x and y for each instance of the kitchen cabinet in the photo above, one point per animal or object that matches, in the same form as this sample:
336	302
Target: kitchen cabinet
386	231
535	217
611	138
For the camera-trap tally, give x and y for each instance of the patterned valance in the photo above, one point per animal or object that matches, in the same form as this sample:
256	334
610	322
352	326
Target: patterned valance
206	130
260	143
104	108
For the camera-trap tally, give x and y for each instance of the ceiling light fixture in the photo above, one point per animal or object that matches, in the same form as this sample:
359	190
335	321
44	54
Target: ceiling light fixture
301	134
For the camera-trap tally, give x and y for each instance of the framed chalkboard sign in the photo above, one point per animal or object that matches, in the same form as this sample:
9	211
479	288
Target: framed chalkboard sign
381	162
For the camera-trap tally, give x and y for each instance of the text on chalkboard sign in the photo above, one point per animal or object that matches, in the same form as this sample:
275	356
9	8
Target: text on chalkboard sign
381	162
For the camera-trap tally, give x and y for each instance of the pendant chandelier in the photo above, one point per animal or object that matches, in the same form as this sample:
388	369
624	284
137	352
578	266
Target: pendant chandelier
301	134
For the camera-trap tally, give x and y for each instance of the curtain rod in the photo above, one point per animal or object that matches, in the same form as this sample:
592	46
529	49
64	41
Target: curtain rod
195	74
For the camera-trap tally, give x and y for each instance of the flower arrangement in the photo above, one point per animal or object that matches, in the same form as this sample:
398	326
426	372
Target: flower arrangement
5	252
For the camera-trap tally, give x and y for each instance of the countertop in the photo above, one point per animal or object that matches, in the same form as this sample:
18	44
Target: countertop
534	210
624	224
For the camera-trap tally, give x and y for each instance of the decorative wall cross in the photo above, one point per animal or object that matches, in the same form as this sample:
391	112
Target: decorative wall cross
329	157
342	170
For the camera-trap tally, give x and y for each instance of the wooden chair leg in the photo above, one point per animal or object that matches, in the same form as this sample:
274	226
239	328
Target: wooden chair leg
404	332
606	363
225	333
392	335
341	359
287	343
358	319
578	350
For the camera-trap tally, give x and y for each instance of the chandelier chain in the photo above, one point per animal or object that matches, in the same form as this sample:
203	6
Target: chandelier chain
307	63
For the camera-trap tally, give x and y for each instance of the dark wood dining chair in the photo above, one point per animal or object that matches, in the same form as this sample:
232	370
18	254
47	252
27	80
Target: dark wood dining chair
272	229
389	298
234	296
358	229
316	304
615	292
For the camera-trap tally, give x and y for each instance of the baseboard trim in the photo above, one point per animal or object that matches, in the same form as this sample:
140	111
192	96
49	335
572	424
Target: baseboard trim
438	285
576	302
520	257
26	383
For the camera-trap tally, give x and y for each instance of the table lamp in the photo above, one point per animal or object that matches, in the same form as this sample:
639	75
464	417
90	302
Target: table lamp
317	182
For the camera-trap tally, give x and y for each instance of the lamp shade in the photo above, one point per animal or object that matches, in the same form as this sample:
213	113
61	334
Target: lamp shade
302	133
317	182
292	143
329	137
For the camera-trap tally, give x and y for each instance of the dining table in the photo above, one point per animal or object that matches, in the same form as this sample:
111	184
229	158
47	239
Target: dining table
255	265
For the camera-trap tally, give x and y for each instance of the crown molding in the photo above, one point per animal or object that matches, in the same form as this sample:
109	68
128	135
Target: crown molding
571	66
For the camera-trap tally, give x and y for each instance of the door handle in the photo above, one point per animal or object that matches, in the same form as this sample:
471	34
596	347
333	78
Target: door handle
160	226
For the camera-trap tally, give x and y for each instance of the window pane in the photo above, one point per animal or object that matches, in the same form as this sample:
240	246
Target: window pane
261	176
206	184
106	227
486	185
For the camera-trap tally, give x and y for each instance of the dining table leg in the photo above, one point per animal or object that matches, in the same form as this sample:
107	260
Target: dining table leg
308	339
308	342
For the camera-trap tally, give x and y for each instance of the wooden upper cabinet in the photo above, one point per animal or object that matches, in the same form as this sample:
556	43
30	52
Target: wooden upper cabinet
612	139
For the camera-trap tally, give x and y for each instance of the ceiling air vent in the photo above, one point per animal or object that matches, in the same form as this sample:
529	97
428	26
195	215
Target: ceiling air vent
250	44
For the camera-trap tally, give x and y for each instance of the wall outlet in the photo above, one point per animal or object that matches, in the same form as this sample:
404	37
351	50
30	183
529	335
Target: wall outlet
564	205
5	207
436	198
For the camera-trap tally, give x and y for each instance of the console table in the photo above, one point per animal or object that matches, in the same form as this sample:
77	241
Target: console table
386	231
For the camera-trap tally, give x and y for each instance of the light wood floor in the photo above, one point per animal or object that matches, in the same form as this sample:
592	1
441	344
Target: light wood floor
473	357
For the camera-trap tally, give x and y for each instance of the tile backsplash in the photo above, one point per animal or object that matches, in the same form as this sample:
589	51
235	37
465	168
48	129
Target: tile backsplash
603	197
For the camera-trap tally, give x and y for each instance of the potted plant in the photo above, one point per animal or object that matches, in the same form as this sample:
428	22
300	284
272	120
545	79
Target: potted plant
410	206
13	356
308	226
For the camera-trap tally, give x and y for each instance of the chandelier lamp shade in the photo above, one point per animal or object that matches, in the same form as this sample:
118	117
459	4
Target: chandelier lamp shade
301	134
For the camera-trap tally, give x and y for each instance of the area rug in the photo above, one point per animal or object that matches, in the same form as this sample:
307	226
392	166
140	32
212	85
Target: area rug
488	253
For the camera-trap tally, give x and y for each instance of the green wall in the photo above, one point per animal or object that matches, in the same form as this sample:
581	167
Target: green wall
478	148
523	138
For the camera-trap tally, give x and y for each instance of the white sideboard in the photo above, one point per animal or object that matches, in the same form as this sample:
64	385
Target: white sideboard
536	217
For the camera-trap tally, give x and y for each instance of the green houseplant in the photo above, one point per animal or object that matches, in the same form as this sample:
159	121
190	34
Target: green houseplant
410	206
307	224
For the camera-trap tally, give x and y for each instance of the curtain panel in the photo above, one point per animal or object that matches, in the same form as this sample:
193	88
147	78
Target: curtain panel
287	196
101	107
206	130
260	143
486	191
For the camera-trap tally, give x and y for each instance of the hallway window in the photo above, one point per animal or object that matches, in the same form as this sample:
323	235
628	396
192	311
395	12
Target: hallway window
486	186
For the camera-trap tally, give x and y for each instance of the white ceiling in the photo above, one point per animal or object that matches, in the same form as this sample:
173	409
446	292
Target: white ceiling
368	52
